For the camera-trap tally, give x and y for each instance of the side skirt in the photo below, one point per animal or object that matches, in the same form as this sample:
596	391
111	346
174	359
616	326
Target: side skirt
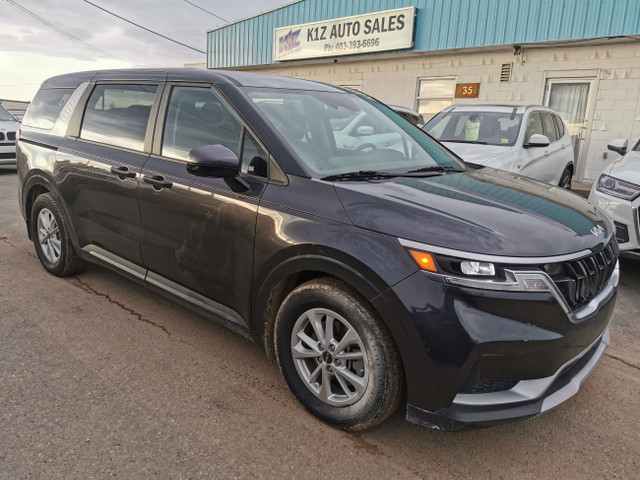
174	291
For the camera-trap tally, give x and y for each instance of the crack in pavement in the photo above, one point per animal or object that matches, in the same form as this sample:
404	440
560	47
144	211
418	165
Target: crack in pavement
88	288
629	364
6	240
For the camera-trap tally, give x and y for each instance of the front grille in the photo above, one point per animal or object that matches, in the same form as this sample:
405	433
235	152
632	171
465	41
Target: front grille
487	385
11	136
4	156
582	279
1	136
475	383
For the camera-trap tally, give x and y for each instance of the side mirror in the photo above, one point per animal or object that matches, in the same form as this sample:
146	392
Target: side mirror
364	130
213	161
538	140
619	145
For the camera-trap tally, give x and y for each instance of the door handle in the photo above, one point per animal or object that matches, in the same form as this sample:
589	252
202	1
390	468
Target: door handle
123	172
158	182
546	153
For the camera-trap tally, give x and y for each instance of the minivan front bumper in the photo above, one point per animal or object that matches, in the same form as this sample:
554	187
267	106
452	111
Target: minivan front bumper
476	357
493	409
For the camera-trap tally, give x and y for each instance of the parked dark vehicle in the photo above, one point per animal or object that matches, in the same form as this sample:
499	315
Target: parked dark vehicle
376	276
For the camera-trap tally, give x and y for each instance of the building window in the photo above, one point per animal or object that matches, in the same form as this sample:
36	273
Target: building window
434	94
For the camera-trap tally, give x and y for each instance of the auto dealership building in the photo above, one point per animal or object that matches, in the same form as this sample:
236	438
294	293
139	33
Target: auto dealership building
579	57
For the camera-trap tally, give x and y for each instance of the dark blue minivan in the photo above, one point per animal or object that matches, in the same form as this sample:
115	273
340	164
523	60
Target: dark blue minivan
379	269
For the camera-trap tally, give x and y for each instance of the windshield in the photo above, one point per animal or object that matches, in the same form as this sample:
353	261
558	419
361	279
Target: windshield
489	128
333	133
6	116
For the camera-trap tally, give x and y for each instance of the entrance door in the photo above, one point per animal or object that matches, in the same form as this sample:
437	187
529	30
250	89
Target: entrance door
572	99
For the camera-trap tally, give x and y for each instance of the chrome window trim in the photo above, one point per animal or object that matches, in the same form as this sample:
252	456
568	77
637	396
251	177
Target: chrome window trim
480	257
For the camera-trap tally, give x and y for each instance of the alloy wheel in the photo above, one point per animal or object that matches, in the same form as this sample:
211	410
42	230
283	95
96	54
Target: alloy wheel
330	357
49	236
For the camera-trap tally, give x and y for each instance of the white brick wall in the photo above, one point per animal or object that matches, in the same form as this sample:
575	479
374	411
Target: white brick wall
393	78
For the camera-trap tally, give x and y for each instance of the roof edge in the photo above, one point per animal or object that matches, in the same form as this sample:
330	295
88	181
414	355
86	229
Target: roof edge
244	19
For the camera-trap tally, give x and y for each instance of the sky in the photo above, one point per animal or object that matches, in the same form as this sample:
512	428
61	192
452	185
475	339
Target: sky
43	38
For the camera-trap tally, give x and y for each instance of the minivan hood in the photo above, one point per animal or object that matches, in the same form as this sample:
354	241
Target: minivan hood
482	211
475	153
626	168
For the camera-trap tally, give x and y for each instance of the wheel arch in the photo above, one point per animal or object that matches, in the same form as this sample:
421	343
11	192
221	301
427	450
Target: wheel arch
35	185
301	265
572	171
571	167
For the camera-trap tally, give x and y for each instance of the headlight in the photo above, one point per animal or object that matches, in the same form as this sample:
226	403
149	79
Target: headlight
617	188
478	268
426	261
479	274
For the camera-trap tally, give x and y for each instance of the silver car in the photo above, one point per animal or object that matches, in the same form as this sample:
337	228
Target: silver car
531	141
617	192
8	128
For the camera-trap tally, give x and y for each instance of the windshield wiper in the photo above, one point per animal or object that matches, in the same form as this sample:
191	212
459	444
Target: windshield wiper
359	175
363	175
437	168
477	142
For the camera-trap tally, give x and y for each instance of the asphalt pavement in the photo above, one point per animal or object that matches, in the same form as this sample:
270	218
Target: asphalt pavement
102	378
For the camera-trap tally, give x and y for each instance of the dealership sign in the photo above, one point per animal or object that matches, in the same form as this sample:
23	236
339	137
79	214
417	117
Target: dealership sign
373	32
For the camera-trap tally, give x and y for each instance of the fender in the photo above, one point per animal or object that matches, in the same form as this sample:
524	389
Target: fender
312	258
40	178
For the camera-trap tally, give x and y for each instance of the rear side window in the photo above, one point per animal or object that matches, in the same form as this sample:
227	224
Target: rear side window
46	107
118	115
549	126
197	116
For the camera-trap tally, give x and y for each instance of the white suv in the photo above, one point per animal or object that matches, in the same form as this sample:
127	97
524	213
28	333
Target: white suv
8	128
617	192
531	141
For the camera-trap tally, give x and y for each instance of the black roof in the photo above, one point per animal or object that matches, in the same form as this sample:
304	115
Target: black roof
238	78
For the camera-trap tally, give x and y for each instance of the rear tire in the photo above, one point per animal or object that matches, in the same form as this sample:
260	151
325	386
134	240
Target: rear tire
337	356
565	179
51	238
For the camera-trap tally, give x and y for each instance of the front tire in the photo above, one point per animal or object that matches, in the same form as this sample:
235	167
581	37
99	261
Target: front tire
337	356
51	238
